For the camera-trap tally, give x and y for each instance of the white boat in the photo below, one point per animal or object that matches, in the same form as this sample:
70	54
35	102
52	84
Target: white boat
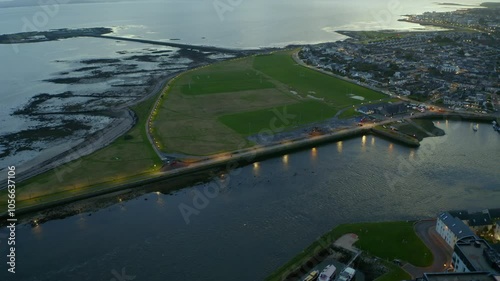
328	273
474	128
347	274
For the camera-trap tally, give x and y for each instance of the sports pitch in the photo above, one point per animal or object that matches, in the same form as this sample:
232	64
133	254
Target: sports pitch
213	109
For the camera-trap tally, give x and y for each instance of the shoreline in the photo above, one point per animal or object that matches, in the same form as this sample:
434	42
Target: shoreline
231	160
93	142
228	159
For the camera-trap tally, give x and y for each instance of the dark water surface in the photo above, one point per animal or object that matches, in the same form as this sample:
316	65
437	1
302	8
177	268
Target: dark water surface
267	213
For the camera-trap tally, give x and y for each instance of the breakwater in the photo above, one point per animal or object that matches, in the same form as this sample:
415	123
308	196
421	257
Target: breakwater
225	161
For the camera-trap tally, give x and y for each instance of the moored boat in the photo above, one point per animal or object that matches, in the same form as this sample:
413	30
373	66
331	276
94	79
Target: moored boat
347	274
328	273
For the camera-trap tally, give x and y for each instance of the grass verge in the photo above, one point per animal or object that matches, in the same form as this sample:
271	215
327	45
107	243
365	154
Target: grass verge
129	157
386	240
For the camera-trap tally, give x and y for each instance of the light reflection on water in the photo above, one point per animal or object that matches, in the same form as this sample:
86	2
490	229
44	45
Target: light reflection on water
314	154
256	168
285	162
271	217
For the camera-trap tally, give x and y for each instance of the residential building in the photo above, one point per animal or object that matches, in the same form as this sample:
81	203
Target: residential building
475	255
480	221
494	213
452	229
463	215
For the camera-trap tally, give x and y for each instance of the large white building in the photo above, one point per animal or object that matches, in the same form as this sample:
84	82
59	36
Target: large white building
452	229
475	255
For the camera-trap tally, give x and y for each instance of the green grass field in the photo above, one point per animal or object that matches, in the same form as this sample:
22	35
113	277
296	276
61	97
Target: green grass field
386	240
225	81
213	109
127	157
248	123
390	240
336	92
396	273
349	113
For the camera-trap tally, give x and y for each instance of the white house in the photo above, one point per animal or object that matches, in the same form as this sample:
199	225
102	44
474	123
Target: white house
452	229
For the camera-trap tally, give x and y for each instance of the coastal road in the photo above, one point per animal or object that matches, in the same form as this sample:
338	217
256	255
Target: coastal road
441	251
92	143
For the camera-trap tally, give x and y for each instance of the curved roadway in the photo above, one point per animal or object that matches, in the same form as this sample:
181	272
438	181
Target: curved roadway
441	251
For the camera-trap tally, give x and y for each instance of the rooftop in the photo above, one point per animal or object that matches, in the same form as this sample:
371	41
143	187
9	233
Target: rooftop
458	227
468	276
494	213
475	251
480	219
461	214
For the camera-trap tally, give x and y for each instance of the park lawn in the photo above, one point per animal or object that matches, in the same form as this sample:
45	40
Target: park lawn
396	273
252	122
305	81
189	125
383	239
349	113
220	81
128	156
390	240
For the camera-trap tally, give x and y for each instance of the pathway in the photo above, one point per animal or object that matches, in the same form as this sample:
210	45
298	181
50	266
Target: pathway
441	251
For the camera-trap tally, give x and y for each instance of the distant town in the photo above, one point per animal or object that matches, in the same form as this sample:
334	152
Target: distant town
457	68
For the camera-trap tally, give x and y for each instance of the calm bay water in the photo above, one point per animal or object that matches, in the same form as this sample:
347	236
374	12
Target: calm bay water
269	212
246	24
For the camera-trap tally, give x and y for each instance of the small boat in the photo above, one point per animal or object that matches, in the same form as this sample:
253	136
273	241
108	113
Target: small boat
347	274
312	276
328	273
475	128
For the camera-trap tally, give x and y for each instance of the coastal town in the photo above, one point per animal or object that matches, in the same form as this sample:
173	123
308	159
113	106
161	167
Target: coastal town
457	68
253	153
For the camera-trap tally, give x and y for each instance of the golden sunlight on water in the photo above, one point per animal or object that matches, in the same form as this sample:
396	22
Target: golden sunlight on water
314	153
363	141
37	229
285	160
256	167
339	147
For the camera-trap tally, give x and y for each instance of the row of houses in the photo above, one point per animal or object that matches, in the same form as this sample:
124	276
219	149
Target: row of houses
455	225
